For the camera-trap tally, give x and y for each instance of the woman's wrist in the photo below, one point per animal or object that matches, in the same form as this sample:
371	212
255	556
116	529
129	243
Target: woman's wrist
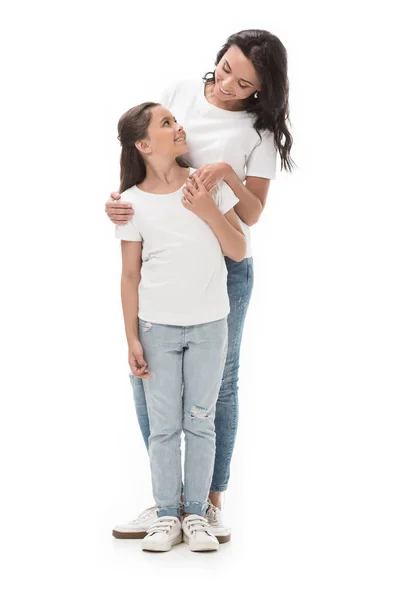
228	172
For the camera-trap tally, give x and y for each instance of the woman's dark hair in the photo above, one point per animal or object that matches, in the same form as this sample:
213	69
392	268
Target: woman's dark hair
271	107
133	127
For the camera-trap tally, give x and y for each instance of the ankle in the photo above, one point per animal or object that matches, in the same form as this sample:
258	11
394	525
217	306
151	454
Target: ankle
216	499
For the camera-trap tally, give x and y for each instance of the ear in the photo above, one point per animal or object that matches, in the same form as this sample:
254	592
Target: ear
143	146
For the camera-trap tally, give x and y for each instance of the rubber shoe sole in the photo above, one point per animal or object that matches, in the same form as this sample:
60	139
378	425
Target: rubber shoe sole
202	548
129	535
139	535
166	547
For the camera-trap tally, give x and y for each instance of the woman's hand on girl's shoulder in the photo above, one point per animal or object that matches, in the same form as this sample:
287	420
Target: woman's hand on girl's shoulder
210	175
118	212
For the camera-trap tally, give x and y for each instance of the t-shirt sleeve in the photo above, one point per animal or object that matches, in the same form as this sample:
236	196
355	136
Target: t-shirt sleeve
262	160
129	232
224	197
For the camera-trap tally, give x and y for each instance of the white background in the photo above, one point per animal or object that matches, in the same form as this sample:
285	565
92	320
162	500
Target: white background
314	496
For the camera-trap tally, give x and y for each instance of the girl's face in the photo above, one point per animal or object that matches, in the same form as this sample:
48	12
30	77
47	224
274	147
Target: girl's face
235	77
165	137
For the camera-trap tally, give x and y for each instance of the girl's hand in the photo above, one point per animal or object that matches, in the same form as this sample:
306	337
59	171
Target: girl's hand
212	174
136	361
118	212
198	200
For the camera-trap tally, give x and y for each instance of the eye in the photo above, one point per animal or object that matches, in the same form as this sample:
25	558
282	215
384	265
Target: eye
243	86
166	121
225	68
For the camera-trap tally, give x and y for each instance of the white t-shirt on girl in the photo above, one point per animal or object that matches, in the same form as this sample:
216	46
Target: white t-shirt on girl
184	276
218	135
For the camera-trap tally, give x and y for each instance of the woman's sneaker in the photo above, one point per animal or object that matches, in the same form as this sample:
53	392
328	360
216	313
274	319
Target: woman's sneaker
165	533
197	533
214	518
137	529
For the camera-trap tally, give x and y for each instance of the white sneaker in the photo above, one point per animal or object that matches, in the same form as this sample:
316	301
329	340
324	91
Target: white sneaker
165	533
197	533
214	518
137	529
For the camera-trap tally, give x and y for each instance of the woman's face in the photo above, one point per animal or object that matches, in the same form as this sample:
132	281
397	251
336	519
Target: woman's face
235	77
165	137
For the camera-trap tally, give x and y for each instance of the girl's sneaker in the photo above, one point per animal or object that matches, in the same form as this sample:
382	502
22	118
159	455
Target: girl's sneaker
214	518
165	533
197	533
137	529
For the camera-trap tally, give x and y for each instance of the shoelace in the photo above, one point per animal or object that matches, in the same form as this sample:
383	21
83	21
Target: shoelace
145	514
197	524
162	524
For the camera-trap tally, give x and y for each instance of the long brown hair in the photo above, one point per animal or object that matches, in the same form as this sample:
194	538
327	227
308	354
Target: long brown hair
133	127
270	110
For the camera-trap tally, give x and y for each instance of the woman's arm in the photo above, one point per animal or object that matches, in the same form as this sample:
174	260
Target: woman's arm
228	232
130	279
252	195
226	228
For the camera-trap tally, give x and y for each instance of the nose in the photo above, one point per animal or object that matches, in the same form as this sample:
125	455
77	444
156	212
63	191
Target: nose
179	127
228	82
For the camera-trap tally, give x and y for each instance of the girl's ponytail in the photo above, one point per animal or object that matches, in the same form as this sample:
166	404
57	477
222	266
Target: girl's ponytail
132	127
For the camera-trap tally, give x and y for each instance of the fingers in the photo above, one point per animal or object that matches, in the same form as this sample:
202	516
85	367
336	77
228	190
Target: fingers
192	186
141	375
186	203
114	211
197	172
121	221
200	184
139	367
209	185
115	195
187	194
119	212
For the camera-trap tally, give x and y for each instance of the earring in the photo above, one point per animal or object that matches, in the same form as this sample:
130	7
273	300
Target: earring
255	94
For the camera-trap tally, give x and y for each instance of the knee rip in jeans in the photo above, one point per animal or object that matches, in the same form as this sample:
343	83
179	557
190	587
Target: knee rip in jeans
199	412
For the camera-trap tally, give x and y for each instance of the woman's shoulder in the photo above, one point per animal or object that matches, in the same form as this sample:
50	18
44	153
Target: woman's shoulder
181	89
185	85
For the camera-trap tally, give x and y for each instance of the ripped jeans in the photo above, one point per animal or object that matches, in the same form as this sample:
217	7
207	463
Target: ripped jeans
240	285
186	366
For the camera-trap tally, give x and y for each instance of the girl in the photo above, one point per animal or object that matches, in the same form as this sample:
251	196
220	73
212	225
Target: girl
236	118
175	304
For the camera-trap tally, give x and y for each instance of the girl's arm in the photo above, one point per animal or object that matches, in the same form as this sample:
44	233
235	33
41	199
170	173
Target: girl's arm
130	279
226	227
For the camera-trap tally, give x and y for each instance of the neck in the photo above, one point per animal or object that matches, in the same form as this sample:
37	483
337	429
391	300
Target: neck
162	170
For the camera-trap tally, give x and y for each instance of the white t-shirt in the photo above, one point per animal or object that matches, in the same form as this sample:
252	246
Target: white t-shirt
218	135
184	276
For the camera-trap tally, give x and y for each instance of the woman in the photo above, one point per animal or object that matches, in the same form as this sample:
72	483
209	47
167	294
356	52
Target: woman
236	120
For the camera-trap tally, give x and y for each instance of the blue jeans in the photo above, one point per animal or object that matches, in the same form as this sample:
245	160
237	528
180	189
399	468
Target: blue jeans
240	285
189	358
